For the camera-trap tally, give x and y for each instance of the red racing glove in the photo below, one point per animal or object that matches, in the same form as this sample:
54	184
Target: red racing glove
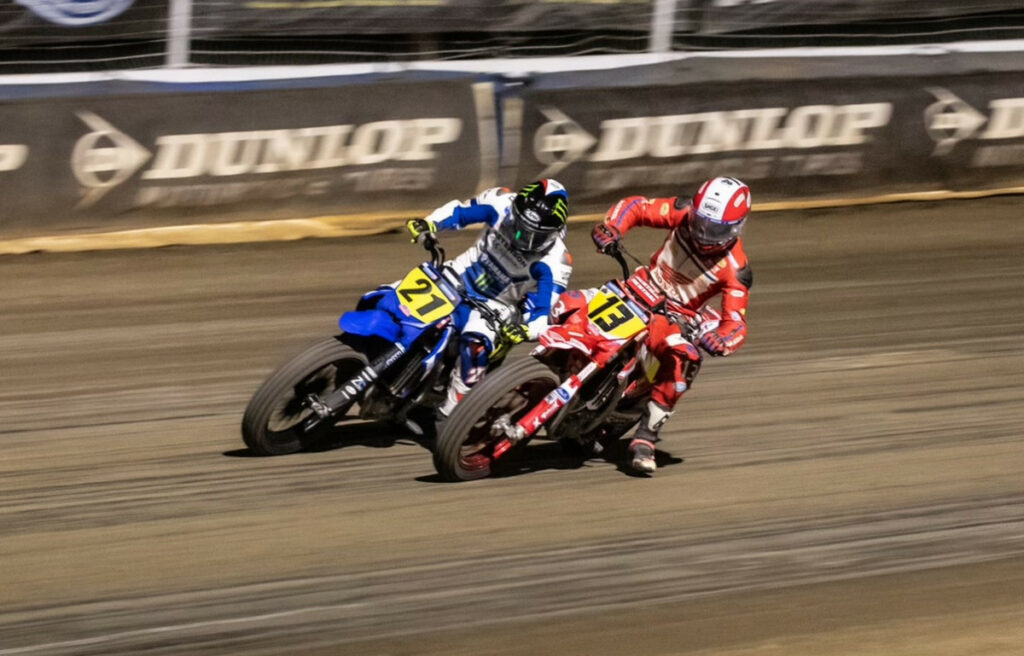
606	237
713	343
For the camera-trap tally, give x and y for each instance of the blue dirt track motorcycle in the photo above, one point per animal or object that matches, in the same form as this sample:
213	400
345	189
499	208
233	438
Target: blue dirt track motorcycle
392	361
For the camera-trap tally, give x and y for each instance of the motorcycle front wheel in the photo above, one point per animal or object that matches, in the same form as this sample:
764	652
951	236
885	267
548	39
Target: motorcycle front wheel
271	425
465	448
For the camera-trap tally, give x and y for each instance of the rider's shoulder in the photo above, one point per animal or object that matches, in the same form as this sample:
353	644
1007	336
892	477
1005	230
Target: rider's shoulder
559	253
738	254
495	196
736	264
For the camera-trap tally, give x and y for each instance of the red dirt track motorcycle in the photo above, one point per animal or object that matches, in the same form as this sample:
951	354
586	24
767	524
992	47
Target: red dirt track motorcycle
587	383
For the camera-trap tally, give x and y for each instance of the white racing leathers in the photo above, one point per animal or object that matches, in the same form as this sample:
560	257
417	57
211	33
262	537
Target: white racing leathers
510	281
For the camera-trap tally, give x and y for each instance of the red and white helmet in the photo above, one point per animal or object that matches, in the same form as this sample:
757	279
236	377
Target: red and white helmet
720	209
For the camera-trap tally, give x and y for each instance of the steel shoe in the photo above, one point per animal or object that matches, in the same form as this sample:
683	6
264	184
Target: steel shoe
643	456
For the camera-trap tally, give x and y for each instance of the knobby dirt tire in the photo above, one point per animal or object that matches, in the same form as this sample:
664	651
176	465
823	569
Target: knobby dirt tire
463	448
291	380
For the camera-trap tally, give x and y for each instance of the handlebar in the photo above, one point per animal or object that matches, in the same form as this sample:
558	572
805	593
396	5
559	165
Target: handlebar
615	251
494	317
433	246
617	255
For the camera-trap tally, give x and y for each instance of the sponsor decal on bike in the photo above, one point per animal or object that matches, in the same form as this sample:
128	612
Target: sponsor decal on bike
360	382
647	292
393	358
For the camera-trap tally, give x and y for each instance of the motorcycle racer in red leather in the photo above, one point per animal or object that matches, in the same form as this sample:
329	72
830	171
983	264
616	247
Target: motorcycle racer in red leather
701	258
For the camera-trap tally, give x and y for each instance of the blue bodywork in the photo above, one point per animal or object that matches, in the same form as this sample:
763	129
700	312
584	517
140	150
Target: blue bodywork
379	314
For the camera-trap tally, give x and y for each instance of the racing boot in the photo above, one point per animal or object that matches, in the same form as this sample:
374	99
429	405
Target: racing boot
456	390
641	448
473	354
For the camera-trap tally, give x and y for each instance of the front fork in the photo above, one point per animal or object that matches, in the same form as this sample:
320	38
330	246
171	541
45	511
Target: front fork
549	406
353	390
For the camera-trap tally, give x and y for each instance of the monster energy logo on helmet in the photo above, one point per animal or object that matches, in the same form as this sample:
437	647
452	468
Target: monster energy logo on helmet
539	212
561	210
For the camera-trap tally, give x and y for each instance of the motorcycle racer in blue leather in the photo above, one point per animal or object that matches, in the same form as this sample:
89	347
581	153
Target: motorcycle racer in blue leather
518	267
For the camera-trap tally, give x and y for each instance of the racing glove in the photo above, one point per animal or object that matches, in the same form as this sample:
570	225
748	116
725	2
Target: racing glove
606	238
713	343
514	333
421	229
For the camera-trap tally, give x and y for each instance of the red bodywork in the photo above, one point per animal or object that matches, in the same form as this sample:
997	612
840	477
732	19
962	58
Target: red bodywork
577	332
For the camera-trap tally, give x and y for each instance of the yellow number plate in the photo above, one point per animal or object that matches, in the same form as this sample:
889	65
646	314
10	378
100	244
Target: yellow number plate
613	317
423	298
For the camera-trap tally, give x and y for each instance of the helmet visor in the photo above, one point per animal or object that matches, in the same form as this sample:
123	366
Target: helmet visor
524	239
523	236
711	232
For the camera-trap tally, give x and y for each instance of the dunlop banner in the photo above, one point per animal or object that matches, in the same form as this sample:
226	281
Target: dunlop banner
822	137
295	17
718	16
205	153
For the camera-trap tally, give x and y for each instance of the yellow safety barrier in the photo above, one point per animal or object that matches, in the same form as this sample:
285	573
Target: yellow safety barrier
369	224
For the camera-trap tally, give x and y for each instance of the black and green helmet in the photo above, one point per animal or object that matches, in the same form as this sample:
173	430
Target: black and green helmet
539	213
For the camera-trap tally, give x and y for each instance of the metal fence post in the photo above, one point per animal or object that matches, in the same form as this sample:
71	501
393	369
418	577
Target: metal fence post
662	23
179	33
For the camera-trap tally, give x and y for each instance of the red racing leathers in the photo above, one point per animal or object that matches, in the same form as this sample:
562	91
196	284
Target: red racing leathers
689	278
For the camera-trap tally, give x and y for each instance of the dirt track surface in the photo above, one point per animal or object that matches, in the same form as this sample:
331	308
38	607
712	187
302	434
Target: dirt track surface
849	483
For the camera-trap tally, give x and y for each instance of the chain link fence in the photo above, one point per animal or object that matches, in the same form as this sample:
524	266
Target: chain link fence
102	35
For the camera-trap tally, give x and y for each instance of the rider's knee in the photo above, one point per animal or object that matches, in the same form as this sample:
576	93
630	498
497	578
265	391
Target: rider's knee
677	346
475	349
475	344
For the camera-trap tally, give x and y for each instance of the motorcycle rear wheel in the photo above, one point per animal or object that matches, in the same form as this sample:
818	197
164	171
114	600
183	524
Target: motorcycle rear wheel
271	423
465	446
